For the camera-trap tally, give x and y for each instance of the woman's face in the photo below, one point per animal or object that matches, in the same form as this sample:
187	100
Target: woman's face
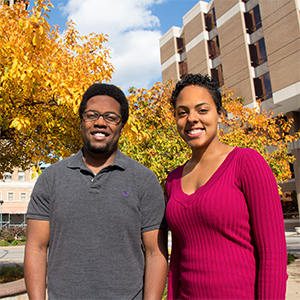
197	117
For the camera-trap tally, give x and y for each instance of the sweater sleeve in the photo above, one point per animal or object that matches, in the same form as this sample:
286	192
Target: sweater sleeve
266	217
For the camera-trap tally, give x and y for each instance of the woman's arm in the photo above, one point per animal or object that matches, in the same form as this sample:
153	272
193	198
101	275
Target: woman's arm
266	217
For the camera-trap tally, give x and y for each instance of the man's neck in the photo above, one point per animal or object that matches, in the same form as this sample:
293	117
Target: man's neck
97	161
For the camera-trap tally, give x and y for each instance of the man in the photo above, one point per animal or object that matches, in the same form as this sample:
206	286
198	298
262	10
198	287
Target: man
100	213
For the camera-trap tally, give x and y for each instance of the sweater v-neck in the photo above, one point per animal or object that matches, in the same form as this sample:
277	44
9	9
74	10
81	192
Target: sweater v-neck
186	199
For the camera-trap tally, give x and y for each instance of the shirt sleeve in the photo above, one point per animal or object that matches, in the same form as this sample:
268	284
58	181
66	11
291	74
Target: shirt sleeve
152	204
266	217
39	205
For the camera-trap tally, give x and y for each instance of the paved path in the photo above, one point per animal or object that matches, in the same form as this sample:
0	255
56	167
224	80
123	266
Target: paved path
15	254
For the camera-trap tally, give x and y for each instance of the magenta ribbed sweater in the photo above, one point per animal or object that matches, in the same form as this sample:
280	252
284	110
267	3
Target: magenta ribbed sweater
228	238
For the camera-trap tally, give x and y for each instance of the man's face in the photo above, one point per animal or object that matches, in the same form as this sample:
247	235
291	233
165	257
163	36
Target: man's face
100	136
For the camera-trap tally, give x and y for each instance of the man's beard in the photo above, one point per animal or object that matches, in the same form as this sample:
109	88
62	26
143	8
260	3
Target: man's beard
97	150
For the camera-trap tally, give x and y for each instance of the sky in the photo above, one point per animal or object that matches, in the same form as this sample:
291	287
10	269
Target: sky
134	28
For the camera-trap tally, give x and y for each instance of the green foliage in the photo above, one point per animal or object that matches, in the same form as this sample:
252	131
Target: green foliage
4	243
291	258
11	273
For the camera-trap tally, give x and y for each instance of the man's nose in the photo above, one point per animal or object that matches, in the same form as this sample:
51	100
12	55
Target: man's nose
100	121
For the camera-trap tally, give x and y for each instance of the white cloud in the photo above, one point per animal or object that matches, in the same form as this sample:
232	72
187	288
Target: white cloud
133	36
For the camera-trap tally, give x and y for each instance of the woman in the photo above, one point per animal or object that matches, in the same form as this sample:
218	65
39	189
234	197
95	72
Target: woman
221	205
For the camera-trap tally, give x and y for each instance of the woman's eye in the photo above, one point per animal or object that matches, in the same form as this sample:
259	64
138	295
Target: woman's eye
202	111
181	113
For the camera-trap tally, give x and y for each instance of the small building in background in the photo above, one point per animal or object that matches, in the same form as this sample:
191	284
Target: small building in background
15	193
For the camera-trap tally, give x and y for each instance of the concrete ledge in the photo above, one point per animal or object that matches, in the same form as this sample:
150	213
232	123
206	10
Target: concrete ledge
12	288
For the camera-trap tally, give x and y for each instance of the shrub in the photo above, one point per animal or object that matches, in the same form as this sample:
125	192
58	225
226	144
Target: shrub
11	273
14	243
4	243
13	233
290	258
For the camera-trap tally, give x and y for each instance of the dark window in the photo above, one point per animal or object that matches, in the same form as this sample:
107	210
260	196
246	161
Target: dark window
180	45
253	20
263	88
182	69
217	75
258	53
210	20
213	47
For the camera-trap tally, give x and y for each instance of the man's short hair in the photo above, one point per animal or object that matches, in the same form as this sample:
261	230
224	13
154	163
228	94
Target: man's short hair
104	89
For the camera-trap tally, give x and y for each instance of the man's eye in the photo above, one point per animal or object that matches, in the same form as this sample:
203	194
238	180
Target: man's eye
91	115
112	118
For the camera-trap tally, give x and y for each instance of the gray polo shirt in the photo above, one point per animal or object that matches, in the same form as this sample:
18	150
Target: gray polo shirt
96	221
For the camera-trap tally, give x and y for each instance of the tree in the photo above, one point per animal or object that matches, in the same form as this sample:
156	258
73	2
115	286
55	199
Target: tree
151	136
261	130
42	78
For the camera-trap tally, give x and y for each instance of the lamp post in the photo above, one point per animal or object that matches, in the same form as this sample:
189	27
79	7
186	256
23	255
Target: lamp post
1	202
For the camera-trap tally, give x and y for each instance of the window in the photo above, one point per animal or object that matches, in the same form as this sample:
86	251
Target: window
7	176
263	88
213	48
258	53
23	197
10	196
183	69
210	20
180	45
217	75
253	20
21	176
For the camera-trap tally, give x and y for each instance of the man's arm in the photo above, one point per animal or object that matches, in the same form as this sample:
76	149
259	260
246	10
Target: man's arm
156	263
35	261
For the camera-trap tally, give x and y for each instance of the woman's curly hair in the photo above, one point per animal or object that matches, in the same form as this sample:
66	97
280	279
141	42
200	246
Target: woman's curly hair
199	80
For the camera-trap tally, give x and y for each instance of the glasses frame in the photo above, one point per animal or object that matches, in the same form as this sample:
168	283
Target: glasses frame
104	116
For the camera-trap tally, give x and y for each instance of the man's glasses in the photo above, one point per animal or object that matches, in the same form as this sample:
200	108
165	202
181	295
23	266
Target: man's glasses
109	117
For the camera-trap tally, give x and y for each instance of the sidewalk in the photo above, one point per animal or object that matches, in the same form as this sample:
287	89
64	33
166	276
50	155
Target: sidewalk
16	290
293	270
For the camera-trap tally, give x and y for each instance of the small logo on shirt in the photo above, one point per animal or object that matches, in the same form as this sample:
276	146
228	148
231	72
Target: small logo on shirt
125	193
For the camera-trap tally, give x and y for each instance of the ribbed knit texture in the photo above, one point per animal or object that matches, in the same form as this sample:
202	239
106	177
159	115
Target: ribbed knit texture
228	238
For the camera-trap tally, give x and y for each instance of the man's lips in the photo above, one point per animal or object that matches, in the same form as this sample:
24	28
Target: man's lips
99	134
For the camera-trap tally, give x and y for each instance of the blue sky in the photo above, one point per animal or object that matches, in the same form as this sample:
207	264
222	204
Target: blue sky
134	28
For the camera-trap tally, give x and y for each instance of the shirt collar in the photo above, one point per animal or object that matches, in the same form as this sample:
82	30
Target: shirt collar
76	161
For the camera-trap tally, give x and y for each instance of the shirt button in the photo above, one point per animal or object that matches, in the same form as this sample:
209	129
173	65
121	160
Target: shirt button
92	179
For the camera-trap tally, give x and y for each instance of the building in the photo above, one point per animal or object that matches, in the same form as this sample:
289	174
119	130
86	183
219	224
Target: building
12	2
252	46
15	193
